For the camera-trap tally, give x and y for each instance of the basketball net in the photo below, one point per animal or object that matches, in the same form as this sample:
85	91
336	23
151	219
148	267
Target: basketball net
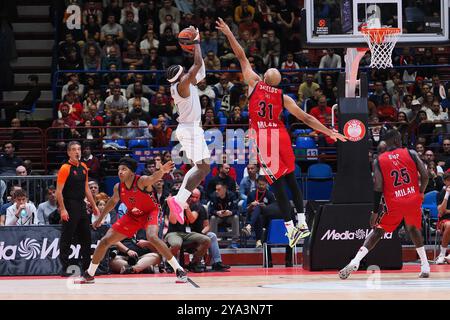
381	42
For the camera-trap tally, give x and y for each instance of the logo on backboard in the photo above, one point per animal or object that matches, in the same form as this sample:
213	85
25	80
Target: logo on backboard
354	130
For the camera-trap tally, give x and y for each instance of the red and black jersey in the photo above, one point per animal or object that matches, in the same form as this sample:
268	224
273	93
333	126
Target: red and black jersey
265	107
137	201
400	179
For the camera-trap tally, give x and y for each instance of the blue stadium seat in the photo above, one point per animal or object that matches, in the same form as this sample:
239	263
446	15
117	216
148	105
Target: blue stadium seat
217	105
138	143
305	143
154	121
276	236
140	168
245	114
430	202
223	123
293	96
319	182
110	182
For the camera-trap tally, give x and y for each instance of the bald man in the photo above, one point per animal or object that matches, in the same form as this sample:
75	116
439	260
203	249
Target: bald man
273	142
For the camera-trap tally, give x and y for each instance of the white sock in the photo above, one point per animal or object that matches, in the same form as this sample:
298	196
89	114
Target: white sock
174	264
301	219
423	256
92	268
361	254
443	251
289	226
182	196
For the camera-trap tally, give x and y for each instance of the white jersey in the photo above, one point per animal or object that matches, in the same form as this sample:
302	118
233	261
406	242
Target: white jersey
189	109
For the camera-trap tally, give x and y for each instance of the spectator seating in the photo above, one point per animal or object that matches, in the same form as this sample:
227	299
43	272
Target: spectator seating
276	236
319	182
110	182
430	202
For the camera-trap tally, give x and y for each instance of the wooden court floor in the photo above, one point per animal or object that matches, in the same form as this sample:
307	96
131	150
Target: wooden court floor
242	283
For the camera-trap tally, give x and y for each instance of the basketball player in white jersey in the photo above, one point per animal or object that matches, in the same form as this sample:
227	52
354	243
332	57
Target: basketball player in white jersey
189	131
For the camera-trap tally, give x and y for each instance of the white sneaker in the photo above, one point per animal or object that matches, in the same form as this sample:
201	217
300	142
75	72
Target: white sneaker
447	259
440	260
296	234
258	244
348	269
424	271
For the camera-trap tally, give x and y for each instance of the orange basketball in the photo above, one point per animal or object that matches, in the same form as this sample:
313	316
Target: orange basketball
186	39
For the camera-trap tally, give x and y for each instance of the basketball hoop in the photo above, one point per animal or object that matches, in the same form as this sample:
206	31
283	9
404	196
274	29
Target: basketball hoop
381	43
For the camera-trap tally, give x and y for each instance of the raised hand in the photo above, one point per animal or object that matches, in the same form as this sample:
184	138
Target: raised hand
168	166
222	26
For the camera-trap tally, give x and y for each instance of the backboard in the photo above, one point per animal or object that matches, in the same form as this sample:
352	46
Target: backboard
337	23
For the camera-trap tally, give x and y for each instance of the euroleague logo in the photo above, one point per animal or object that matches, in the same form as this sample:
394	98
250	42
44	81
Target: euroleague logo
354	130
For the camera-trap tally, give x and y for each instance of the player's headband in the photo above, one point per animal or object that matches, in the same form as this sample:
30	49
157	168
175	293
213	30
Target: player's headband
175	77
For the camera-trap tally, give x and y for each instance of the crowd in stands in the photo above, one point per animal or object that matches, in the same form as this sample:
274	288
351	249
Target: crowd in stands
115	109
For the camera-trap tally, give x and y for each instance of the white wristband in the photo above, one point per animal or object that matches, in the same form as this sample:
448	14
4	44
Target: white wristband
447	194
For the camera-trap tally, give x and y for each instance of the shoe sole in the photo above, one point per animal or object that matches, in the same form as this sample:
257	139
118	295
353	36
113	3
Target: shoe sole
424	275
295	241
305	234
83	281
346	272
181	281
173	208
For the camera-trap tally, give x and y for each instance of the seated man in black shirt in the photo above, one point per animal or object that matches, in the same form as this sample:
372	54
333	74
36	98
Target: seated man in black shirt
134	256
223	209
223	177
444	219
201	225
179	235
257	200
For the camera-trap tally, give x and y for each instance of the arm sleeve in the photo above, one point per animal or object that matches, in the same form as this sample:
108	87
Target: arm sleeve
11	219
376	201
234	206
201	74
33	210
63	174
87	173
40	215
212	208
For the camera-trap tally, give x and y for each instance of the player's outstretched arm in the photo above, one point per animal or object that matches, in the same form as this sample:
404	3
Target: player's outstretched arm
148	181
309	120
249	75
111	204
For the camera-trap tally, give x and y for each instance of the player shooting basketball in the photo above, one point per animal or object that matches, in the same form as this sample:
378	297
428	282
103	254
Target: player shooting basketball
276	157
189	132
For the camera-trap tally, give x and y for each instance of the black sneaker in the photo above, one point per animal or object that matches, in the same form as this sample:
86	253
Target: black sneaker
219	266
181	276
66	274
86	278
127	270
289	264
195	267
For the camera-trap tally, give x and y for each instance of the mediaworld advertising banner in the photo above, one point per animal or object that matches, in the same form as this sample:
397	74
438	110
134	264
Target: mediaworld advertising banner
34	250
